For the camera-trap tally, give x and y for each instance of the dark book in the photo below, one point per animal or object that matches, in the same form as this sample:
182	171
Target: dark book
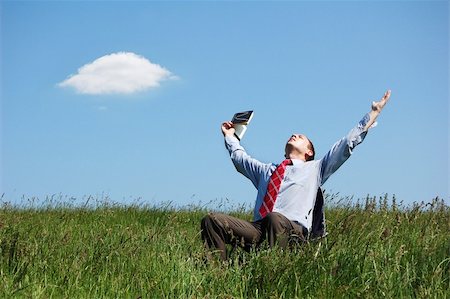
240	121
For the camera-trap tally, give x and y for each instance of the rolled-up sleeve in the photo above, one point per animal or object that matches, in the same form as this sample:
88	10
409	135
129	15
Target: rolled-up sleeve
342	149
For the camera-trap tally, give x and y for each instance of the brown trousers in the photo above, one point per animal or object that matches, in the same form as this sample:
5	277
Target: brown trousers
218	230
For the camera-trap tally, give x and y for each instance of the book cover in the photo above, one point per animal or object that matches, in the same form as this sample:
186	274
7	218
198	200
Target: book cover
240	121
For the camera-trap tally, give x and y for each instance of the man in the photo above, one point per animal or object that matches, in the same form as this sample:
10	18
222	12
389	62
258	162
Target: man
286	193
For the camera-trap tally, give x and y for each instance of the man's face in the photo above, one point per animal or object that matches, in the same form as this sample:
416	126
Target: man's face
297	144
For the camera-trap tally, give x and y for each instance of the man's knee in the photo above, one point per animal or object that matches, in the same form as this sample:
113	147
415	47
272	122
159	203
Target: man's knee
209	221
206	221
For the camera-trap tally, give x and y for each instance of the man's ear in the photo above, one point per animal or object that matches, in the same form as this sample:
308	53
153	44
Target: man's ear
309	153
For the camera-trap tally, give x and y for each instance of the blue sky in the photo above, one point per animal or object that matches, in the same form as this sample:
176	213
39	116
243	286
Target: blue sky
305	67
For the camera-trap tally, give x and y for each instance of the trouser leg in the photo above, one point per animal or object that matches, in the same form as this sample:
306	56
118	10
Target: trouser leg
279	229
219	230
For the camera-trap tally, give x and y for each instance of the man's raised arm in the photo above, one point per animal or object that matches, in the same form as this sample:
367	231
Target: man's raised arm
341	150
376	109
248	166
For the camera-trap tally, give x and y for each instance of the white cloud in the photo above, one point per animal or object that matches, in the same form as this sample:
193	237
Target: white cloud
117	73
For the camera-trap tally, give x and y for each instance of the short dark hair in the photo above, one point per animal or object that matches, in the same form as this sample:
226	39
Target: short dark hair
311	147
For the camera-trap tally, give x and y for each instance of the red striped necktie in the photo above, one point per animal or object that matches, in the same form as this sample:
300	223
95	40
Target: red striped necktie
273	187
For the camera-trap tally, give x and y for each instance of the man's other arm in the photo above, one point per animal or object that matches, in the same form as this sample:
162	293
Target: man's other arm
248	166
341	150
376	109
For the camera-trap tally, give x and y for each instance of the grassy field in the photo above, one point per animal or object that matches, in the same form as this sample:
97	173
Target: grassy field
374	250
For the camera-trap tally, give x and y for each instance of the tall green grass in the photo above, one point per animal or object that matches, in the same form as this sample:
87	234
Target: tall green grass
373	249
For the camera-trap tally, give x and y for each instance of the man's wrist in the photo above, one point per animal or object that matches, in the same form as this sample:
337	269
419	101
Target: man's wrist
231	137
373	115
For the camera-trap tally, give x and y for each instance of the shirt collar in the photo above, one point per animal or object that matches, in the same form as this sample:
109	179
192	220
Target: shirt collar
297	162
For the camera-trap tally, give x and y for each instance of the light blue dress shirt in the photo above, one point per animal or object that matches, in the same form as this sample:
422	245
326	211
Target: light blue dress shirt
298	190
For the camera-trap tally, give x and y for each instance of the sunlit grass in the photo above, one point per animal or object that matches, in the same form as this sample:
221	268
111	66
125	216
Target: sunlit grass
374	249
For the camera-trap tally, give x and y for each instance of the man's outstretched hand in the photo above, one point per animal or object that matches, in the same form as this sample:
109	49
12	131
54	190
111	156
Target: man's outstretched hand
228	128
378	106
376	109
